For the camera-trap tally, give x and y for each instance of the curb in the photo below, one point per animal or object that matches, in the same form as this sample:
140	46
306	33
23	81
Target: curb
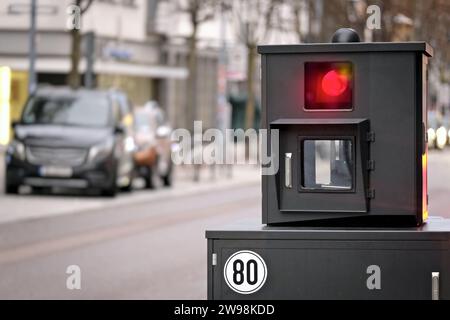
182	189
177	193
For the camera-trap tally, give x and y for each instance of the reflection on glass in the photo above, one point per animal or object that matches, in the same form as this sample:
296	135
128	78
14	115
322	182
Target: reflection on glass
328	164
88	109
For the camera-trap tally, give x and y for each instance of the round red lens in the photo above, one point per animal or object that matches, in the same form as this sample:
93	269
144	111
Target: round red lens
334	84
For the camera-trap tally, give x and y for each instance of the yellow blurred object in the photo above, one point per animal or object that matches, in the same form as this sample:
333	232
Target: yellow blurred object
5	95
425	186
128	120
425	215
13	94
19	93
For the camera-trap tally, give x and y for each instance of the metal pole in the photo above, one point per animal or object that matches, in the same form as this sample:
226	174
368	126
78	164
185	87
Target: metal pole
222	74
89	41
223	108
32	48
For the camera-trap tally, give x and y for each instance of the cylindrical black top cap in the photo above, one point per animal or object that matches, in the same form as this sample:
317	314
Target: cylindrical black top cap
345	35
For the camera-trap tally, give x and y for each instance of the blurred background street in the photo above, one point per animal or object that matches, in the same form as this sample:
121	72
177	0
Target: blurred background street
91	94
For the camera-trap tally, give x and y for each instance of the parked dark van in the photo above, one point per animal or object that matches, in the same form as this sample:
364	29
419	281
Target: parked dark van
72	138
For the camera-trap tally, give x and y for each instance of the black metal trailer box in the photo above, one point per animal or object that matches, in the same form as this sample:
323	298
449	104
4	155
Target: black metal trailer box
313	263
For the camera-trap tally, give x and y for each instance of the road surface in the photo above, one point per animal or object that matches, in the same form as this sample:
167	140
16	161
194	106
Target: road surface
153	250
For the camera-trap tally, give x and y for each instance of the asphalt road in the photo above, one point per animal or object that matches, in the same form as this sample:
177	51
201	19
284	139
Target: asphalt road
141	248
439	182
154	250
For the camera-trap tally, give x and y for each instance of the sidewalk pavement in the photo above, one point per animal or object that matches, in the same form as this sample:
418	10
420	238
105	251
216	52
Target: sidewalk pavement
29	206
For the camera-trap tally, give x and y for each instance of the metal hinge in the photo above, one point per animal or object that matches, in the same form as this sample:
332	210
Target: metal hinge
370	136
214	259
370	193
370	165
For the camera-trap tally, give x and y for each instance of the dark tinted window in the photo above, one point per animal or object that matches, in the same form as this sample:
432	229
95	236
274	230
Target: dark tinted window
86	110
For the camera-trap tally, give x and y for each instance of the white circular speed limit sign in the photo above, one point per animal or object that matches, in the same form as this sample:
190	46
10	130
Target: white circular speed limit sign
245	272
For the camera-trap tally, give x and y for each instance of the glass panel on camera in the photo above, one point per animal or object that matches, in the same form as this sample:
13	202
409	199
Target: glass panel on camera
328	165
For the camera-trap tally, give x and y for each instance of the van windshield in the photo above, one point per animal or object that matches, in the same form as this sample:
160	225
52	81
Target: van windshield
89	111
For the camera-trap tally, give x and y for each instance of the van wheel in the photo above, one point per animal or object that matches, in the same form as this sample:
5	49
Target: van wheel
110	192
167	179
112	189
148	178
11	189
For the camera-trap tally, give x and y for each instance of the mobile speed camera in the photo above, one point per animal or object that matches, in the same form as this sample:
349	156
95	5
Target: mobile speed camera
352	121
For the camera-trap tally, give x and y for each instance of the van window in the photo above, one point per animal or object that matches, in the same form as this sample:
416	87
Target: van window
89	110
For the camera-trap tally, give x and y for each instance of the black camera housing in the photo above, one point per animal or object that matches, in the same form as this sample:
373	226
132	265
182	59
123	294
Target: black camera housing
367	118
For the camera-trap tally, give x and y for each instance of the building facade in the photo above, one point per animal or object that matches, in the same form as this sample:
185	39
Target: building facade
130	52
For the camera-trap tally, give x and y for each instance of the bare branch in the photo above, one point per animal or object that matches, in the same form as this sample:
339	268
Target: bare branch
84	5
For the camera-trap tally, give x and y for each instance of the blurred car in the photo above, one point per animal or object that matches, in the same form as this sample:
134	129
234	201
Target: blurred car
441	137
437	131
446	125
72	138
152	137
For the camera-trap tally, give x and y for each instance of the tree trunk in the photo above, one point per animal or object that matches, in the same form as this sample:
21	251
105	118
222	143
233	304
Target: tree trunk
75	56
192	79
191	112
297	21
250	106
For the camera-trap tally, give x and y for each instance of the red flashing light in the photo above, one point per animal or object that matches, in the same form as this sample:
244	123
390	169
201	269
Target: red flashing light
328	86
333	83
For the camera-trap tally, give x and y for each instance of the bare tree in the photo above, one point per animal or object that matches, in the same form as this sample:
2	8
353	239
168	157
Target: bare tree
301	9
402	20
297	11
74	78
253	19
199	12
432	21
